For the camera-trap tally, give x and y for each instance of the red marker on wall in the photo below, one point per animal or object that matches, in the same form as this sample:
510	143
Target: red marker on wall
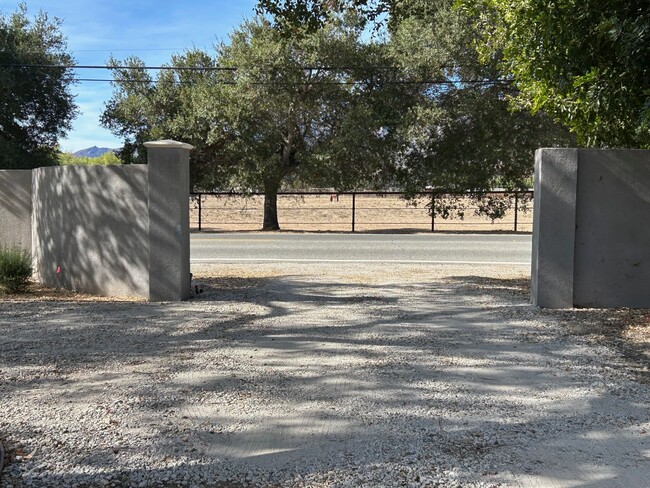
58	269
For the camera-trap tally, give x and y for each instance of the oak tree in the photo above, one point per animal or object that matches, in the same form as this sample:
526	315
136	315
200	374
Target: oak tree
270	110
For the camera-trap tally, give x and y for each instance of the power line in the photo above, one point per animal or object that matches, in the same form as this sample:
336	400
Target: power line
206	68
90	66
127	50
278	83
292	83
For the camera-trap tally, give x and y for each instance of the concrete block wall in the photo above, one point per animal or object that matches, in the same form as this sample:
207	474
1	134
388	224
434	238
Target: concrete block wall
16	208
591	240
106	230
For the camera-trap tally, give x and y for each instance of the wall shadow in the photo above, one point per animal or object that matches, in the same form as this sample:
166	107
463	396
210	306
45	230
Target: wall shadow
625	329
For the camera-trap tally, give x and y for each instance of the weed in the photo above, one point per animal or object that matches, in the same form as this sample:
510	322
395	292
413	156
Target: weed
15	268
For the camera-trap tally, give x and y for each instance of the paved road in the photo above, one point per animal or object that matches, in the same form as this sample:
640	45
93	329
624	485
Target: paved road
358	248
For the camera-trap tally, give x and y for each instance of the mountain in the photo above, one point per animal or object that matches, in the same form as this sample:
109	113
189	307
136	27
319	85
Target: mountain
92	152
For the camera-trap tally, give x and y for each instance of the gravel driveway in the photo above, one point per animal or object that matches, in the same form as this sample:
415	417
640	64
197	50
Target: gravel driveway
284	376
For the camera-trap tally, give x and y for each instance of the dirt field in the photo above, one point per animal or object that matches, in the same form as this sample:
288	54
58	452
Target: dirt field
332	213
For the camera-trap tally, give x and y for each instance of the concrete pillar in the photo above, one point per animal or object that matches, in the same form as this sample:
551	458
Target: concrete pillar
169	226
554	227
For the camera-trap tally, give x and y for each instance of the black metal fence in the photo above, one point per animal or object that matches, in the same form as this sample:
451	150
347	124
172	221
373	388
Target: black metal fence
366	211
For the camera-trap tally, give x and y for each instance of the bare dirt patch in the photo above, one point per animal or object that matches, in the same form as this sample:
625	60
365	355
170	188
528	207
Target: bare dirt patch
332	213
38	292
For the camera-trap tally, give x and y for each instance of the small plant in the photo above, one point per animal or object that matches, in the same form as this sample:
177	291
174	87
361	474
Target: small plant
15	268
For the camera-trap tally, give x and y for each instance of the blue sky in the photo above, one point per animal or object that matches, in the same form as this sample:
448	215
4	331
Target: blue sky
151	30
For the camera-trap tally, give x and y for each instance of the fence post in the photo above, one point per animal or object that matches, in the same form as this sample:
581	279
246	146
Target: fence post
200	194
516	208
354	202
433	211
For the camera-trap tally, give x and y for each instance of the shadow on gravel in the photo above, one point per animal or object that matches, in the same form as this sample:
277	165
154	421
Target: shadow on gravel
284	375
625	329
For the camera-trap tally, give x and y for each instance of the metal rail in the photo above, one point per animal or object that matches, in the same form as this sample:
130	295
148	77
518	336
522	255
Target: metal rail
354	209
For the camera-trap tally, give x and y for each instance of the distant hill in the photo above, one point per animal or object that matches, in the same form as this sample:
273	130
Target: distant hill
92	152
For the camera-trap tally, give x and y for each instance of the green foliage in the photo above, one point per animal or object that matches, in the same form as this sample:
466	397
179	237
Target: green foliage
585	63
297	17
37	106
15	268
466	136
327	127
272	121
419	110
463	134
172	106
107	158
494	206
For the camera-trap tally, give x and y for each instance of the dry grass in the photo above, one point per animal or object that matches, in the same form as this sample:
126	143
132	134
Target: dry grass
332	213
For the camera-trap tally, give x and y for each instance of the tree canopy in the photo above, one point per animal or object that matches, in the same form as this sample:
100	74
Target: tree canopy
37	105
415	109
466	136
267	110
586	63
298	16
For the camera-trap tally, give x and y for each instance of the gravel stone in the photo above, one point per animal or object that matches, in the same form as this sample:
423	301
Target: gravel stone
286	376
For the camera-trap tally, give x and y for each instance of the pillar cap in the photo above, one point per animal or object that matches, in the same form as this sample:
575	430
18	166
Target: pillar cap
168	143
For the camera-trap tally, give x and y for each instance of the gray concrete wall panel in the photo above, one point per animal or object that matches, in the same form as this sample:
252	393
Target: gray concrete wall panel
169	237
90	228
16	208
612	243
556	173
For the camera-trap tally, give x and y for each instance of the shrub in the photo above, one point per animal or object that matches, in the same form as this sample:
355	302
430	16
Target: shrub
15	268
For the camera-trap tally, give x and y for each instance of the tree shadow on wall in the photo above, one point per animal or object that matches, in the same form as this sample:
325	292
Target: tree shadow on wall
15	207
91	229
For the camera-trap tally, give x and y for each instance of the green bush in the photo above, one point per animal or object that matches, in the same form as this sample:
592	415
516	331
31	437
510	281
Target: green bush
15	268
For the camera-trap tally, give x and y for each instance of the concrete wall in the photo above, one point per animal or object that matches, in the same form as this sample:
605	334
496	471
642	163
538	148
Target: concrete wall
591	239
107	230
169	220
91	228
16	208
556	172
612	240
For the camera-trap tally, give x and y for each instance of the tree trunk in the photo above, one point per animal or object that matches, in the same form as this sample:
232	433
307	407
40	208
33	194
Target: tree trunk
271	205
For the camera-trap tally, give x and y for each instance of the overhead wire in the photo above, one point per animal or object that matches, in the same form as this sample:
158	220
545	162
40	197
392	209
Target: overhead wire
195	68
232	69
291	83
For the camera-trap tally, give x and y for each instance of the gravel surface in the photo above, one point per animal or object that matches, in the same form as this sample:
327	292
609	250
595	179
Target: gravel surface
356	376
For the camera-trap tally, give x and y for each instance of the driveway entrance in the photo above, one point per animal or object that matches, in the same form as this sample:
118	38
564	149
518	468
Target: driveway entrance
320	375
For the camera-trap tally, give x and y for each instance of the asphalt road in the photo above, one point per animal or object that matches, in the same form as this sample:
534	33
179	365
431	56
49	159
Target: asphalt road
359	248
